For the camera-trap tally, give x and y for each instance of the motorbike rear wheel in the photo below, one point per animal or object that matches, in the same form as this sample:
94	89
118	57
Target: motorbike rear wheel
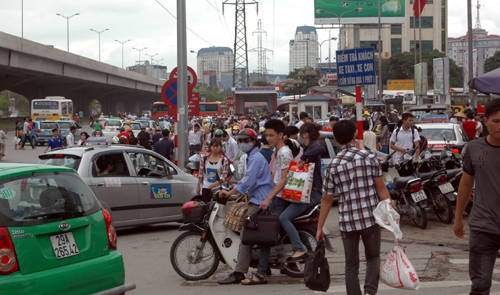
421	219
191	263
296	269
444	210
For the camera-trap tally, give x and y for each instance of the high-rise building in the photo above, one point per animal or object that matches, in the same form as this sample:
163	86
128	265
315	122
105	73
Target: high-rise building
304	48
457	47
212	62
397	38
155	71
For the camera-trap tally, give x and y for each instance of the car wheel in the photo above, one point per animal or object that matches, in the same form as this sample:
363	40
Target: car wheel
34	141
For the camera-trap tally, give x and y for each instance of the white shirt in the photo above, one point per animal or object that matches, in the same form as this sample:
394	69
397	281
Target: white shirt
211	172
242	165
3	137
231	149
283	160
403	140
370	139
300	123
194	138
80	143
26	128
262	123
454	120
70	139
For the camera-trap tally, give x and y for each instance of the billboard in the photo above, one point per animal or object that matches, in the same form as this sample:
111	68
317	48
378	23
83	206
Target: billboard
356	67
421	79
441	74
392	12
401	84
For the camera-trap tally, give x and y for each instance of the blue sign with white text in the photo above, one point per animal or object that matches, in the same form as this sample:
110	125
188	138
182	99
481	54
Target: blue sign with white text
356	67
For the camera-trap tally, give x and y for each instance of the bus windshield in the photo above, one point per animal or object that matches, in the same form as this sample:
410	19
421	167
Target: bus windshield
45	105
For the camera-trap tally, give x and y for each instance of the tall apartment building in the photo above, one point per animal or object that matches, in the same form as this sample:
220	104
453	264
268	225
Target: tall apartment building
155	71
212	62
397	38
304	48
457	47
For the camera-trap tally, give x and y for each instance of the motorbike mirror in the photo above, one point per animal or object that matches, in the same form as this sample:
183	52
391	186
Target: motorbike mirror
233	170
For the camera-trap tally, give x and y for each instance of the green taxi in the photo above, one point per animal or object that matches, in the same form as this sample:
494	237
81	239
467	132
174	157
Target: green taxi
55	238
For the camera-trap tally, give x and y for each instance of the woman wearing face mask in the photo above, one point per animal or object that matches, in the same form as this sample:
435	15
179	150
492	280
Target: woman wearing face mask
214	170
309	135
83	139
235	130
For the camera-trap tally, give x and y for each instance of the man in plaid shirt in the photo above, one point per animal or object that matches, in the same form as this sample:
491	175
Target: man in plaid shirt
357	176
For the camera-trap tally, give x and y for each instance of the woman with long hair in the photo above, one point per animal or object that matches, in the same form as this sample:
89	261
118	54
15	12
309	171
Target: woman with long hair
384	135
83	139
19	133
214	170
287	211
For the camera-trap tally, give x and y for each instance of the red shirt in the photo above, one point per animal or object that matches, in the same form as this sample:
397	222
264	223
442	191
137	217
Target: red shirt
124	133
327	128
470	128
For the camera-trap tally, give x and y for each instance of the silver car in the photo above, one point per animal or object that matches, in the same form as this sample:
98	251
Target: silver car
111	127
150	125
434	132
141	188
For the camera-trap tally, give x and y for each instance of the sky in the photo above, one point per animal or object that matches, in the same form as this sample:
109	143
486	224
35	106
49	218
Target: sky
147	24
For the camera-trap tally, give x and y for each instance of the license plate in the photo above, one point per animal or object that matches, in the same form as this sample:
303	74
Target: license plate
64	245
446	188
418	196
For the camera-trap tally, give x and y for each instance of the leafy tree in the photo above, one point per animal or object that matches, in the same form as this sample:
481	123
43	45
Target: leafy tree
261	83
402	65
492	63
4	104
23	105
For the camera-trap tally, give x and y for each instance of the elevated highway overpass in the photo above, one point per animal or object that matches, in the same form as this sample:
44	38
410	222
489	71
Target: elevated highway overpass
36	70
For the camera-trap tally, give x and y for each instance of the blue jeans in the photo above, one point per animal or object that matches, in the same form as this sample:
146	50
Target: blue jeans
385	149
287	211
482	255
27	138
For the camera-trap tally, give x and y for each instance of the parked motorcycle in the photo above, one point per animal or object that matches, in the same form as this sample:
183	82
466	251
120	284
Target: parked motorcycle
450	155
406	193
196	254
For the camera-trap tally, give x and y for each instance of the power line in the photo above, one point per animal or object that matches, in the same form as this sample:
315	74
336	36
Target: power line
186	27
218	14
225	22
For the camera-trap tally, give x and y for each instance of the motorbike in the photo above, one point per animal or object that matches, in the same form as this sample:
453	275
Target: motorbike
435	185
450	155
408	197
196	253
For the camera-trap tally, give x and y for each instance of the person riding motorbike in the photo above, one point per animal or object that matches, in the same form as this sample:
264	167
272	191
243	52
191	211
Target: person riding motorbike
257	182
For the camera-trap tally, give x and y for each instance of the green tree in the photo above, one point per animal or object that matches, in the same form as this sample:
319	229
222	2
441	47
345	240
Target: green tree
492	63
261	83
23	105
402	66
4	105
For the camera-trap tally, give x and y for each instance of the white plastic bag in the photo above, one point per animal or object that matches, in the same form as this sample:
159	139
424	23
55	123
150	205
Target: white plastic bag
16	140
388	218
398	272
298	186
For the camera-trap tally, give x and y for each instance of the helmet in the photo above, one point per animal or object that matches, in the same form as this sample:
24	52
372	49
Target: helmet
236	127
129	129
204	121
247	133
122	128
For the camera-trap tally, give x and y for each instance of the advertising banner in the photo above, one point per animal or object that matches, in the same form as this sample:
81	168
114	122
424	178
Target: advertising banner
438	74
421	79
401	84
330	76
356	67
333	11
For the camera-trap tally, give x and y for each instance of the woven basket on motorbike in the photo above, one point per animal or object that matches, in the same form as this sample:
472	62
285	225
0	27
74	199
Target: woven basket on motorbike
237	213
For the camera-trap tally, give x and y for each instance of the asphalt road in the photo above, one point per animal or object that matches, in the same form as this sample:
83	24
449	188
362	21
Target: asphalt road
440	258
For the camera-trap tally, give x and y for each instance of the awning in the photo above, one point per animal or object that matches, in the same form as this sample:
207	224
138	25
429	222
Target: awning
487	83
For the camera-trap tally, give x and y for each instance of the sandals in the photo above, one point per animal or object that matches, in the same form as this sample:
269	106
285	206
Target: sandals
252	280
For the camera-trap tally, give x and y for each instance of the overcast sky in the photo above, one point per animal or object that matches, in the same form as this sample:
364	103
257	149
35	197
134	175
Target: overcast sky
149	25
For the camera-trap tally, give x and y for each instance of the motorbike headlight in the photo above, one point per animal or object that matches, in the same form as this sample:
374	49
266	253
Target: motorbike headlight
427	155
407	157
449	153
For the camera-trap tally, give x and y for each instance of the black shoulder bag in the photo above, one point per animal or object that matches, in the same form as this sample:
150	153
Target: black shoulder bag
317	270
261	229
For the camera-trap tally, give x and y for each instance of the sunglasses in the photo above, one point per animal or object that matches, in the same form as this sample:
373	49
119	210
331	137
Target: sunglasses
246	140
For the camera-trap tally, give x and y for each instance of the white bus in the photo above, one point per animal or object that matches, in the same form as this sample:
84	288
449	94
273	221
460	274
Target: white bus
52	108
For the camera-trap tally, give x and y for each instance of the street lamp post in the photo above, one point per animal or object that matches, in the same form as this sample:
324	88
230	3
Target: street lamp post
67	24
122	48
359	9
158	61
139	52
151	55
322	44
99	33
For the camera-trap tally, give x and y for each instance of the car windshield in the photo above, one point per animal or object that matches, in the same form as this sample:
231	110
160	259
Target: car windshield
437	134
48	125
44	198
69	161
135	126
65	125
113	123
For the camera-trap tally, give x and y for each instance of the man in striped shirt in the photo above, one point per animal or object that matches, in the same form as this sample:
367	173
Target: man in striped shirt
358	177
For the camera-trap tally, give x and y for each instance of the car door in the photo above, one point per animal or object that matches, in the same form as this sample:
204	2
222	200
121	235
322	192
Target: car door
161	195
118	190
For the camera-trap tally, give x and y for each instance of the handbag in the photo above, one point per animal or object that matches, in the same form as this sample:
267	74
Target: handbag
20	133
236	214
16	140
261	229
317	270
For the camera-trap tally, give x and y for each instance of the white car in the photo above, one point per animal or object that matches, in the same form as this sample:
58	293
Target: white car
136	127
110	127
434	132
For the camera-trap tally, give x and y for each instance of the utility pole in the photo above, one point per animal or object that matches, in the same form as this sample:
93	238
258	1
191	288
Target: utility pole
472	99
99	33
122	43
261	52
240	69
380	85
182	85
